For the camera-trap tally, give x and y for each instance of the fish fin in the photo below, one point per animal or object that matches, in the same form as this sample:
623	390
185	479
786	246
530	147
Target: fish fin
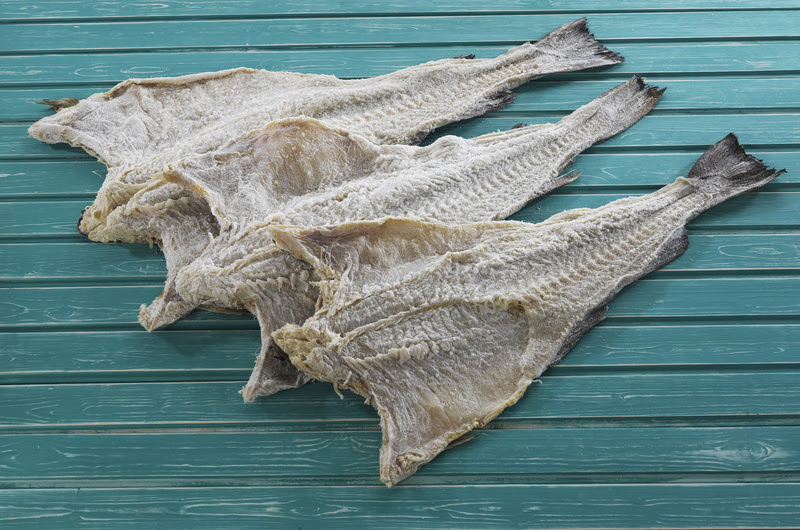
674	247
577	48
58	104
273	371
614	111
592	318
164	310
565	178
726	170
181	230
491	102
459	441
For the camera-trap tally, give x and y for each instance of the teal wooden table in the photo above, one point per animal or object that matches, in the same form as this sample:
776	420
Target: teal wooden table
681	410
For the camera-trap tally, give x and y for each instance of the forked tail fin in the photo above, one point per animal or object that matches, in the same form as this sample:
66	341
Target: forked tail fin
725	170
576	48
566	49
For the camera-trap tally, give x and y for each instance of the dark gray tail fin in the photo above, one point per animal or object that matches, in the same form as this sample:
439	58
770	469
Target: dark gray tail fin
615	110
725	170
576	48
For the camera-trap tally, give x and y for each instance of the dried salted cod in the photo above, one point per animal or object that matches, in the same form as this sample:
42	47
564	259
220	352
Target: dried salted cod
442	327
303	173
142	125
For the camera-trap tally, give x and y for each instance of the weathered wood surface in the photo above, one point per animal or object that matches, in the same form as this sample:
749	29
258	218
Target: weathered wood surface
681	410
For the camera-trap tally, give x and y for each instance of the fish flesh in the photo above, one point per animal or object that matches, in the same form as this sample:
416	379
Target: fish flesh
348	178
395	108
441	327
303	172
142	125
139	119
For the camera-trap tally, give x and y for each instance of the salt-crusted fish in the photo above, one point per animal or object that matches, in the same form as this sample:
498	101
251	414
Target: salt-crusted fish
301	172
442	327
142	125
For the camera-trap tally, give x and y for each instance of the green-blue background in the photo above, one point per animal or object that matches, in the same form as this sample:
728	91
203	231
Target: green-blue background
681	410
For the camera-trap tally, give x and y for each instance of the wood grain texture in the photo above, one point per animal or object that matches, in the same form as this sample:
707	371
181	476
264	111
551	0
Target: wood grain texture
323	32
208	355
701	396
61	71
172	9
553	455
681	410
514	506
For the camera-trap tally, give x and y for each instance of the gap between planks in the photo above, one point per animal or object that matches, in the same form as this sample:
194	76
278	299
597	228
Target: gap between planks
372	424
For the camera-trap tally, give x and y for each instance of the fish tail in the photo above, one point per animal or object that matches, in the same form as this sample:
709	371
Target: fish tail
574	48
726	170
605	116
615	110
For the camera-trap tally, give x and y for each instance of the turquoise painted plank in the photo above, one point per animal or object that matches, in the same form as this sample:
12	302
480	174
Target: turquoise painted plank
739	252
78	261
61	178
59	9
135	356
765	57
50	219
610	346
651	132
55	307
97	306
769	210
640	368
128	355
556	455
322	32
659	168
82	178
747	94
691	396
617	506
725	297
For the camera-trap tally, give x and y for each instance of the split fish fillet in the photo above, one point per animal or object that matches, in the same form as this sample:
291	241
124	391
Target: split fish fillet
302	172
142	125
442	327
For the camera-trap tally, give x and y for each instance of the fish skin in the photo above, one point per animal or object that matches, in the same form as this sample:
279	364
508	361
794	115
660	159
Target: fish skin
330	176
142	125
444	346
